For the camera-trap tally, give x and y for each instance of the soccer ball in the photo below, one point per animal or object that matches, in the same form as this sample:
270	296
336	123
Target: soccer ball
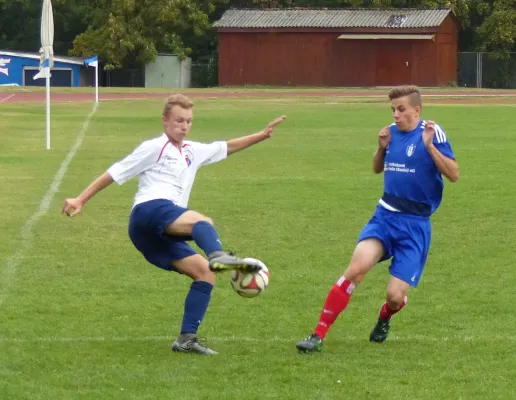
250	284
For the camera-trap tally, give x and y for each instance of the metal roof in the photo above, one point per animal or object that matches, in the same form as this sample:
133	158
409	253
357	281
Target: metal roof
379	36
332	18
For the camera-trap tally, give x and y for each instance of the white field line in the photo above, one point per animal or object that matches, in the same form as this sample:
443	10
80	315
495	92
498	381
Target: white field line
400	338
12	263
7	98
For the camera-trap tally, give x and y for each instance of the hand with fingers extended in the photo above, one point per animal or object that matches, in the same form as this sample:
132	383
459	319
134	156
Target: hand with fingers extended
72	207
270	128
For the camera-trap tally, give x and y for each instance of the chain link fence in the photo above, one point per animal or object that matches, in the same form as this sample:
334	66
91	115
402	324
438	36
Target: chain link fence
205	74
476	70
124	78
482	70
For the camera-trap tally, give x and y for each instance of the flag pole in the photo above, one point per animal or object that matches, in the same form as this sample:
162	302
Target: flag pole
48	110
97	82
94	62
46	61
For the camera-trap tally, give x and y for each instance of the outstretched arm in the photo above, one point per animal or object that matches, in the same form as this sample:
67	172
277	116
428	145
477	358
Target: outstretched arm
141	159
244	142
72	207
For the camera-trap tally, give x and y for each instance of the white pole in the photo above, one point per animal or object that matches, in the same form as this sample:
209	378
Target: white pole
97	83
48	111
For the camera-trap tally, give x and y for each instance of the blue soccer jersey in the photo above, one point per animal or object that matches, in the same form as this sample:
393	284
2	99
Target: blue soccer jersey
412	182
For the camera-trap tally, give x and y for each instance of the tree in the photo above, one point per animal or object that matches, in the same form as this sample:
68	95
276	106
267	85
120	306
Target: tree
498	32
19	22
129	33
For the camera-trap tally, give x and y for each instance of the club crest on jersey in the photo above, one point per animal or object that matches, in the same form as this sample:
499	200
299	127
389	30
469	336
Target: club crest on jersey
187	159
410	150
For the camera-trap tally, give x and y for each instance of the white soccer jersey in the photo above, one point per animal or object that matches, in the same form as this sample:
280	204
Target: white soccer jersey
164	171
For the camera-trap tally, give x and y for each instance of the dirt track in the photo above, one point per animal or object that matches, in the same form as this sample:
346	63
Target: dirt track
445	97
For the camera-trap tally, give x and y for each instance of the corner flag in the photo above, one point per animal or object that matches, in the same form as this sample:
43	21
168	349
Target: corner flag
94	62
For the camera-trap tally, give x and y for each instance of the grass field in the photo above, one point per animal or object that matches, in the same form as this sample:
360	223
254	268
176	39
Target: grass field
83	316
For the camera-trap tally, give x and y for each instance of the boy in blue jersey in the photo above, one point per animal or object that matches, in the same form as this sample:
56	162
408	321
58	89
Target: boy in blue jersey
413	154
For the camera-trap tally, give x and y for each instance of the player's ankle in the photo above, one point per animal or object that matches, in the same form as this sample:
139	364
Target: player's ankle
320	333
216	253
184	337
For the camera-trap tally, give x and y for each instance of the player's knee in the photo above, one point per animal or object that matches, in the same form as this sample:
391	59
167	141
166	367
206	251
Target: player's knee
395	299
206	276
186	222
353	276
366	255
356	271
201	218
208	220
195	267
202	273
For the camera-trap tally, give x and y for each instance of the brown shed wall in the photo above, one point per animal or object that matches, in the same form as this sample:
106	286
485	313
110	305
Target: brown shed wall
447	42
318	58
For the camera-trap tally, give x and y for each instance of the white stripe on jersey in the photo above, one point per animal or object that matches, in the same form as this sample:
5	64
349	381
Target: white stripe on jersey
441	136
439	133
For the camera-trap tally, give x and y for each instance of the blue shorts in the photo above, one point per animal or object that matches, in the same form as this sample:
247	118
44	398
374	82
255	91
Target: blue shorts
147	232
406	238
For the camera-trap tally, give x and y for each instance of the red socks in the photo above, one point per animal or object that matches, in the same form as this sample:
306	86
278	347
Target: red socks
386	313
336	302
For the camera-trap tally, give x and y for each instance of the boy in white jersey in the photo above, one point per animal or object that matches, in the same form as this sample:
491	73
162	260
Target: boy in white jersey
160	224
413	154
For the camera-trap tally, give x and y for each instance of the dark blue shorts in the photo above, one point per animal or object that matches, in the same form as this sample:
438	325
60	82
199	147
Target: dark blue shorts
405	238
146	229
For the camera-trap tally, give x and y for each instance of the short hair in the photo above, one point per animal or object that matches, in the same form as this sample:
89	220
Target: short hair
407	90
177	99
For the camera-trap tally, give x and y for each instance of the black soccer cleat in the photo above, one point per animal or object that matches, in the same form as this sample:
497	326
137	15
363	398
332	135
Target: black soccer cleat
310	344
380	331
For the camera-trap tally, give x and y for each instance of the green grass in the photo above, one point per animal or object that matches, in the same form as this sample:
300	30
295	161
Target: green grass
83	316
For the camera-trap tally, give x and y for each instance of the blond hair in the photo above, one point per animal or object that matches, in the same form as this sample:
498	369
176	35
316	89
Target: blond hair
407	90
177	99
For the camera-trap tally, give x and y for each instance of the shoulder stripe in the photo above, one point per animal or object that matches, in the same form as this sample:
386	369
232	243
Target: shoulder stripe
439	133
